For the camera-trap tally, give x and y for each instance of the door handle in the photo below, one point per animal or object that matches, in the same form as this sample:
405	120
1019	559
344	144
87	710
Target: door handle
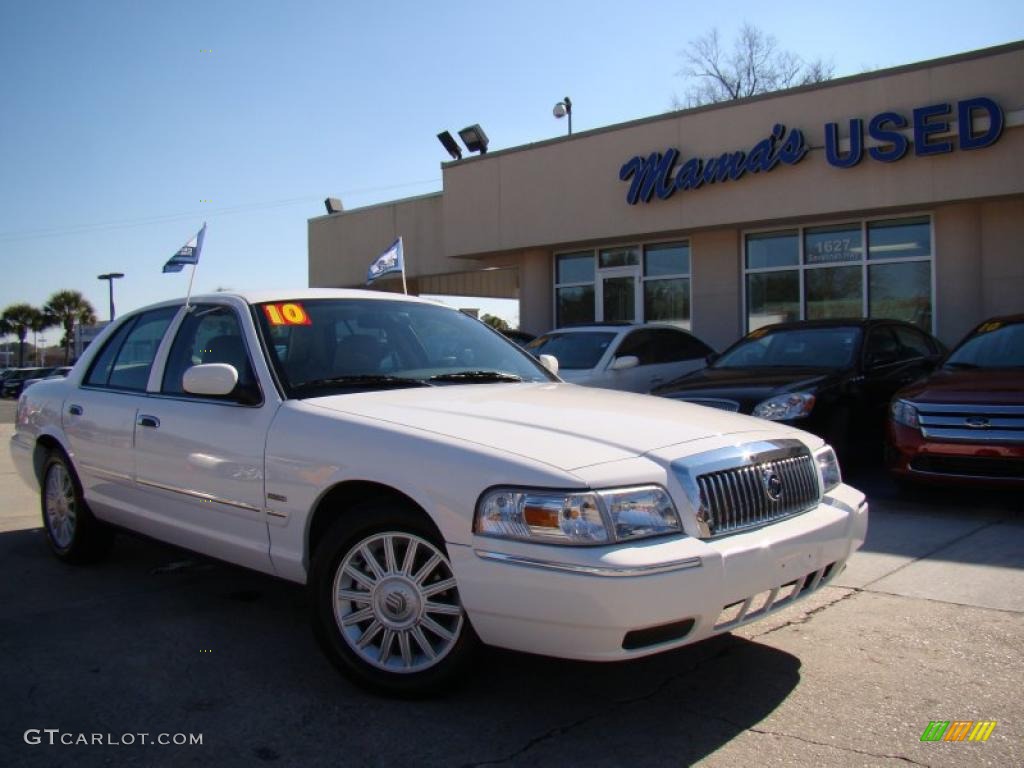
75	410
148	421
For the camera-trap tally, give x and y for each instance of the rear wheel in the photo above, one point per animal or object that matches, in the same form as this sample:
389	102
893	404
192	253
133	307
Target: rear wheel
387	607
72	532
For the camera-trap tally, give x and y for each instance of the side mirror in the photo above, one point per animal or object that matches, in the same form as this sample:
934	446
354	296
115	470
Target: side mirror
550	362
210	379
625	362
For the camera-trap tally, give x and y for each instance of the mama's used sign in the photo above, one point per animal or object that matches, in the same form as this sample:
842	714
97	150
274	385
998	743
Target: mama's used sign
663	173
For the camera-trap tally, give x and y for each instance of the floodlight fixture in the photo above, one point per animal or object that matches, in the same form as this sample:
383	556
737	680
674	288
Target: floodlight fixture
448	142
333	205
474	138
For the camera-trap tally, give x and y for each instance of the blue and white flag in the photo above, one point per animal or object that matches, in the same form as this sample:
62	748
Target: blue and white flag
390	261
188	253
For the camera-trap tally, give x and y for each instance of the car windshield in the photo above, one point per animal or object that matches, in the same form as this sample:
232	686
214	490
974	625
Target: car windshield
992	345
577	350
327	346
832	347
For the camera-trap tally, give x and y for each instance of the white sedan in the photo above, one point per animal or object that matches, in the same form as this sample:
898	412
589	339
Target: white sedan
433	485
633	358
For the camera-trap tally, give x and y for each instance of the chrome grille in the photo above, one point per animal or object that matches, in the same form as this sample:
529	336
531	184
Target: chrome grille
743	497
972	423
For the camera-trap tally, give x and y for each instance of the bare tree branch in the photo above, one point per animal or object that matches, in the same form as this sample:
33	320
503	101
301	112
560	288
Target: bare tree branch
755	65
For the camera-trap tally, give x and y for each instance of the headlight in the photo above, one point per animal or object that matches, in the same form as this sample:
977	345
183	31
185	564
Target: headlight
785	407
588	517
904	413
828	468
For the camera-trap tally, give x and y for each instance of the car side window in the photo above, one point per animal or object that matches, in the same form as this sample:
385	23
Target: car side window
131	352
210	333
638	343
882	346
675	346
101	367
913	341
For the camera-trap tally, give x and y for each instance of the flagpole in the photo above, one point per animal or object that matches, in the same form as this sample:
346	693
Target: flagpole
190	279
405	290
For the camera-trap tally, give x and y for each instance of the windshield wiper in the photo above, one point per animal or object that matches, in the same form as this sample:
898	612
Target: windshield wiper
477	376
367	381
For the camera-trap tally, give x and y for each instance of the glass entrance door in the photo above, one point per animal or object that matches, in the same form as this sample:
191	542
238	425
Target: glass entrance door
618	295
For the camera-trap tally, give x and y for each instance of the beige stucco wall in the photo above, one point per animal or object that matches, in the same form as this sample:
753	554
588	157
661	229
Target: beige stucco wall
517	207
342	245
568	190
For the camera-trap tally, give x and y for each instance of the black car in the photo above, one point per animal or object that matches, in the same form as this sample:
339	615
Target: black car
15	380
831	377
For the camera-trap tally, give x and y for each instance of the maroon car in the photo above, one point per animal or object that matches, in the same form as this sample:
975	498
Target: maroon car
965	423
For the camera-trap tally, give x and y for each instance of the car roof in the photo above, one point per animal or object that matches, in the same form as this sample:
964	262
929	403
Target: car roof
613	327
295	294
838	322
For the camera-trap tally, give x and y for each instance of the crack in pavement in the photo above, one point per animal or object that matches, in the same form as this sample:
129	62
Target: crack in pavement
806	616
565	728
838	747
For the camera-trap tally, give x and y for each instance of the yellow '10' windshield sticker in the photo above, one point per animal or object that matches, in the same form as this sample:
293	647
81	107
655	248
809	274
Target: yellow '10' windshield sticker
286	314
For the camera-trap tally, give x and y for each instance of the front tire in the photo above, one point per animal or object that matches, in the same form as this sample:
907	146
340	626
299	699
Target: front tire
386	605
73	534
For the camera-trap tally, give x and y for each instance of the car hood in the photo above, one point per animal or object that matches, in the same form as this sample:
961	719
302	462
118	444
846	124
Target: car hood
562	425
746	386
978	386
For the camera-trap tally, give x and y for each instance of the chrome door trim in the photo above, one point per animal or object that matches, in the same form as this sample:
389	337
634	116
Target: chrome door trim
589	570
200	495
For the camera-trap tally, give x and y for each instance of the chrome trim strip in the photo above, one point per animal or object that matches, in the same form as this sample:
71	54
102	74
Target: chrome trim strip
275	513
1012	410
589	570
199	495
959	420
104	472
974	435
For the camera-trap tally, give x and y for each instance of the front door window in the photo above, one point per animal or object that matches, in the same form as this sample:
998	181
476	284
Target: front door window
618	294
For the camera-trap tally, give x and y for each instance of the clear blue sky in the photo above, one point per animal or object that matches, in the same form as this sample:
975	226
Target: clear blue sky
118	125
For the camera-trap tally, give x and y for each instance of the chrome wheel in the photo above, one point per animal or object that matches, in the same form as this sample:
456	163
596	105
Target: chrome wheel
61	506
396	603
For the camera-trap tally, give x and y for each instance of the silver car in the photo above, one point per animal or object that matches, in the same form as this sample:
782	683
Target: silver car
632	358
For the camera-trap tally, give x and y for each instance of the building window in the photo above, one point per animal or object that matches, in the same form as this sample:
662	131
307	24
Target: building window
632	283
826	272
667	283
574	288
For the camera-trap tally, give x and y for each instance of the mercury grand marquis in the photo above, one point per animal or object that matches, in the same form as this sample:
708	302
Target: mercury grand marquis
434	486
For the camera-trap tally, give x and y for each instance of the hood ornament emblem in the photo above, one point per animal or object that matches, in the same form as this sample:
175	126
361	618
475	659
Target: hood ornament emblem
772	484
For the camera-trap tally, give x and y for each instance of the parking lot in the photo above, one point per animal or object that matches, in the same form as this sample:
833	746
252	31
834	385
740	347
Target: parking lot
926	623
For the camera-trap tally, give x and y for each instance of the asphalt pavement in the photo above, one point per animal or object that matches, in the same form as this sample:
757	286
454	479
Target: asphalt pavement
926	623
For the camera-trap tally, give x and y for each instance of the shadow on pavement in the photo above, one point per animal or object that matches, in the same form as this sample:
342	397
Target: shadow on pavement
157	640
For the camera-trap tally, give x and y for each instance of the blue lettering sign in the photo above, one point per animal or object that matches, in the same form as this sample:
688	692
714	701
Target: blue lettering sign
897	142
965	120
856	144
924	127
654	173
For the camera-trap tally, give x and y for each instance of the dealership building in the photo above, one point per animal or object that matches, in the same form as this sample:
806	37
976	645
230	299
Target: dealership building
896	193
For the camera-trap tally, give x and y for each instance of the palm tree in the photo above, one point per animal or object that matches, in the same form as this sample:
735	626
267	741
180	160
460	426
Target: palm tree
19	319
68	308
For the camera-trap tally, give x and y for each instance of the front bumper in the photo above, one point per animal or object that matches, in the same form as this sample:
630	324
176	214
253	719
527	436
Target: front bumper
994	465
596	604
